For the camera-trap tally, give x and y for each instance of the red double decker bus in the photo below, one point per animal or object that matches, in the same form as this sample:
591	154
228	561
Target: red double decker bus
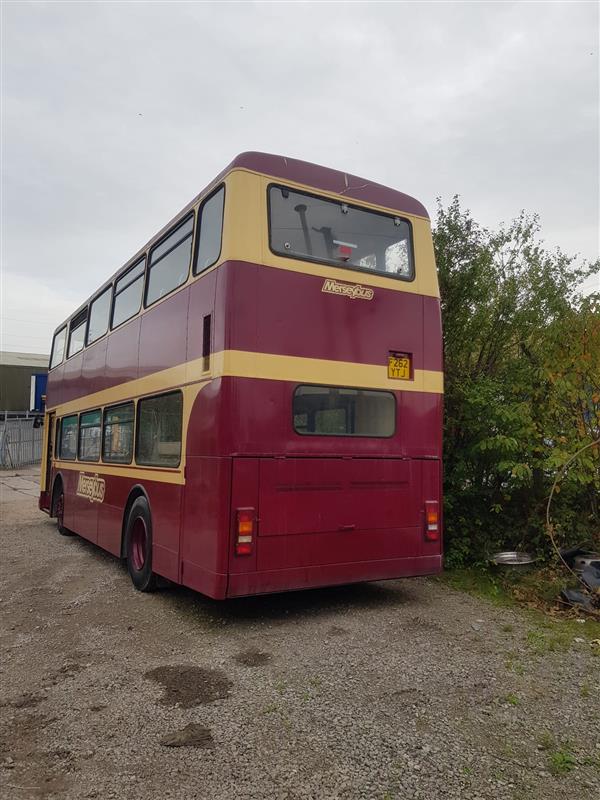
253	402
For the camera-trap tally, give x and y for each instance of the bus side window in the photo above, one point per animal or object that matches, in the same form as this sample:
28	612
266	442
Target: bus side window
159	430
170	262
128	294
210	223
58	348
68	438
77	333
99	312
89	435
118	434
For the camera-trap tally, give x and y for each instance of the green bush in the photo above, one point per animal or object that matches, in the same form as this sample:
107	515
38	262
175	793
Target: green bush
522	374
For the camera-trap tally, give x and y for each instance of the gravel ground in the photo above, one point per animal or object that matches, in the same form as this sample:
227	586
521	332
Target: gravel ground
405	689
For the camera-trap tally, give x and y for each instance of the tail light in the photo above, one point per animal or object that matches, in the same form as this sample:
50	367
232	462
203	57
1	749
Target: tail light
432	523
244	531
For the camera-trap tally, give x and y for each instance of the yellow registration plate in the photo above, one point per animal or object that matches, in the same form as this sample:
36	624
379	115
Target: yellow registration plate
399	367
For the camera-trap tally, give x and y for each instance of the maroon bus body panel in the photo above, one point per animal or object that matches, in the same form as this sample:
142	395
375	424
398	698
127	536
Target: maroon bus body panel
304	495
85	513
267	313
205	531
283	580
93	371
72	384
122	353
163	335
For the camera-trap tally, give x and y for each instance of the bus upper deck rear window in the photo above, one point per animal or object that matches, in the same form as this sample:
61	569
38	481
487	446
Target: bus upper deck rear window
337	411
318	229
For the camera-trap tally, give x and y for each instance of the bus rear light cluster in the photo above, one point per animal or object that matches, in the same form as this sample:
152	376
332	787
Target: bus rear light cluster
432	525
244	531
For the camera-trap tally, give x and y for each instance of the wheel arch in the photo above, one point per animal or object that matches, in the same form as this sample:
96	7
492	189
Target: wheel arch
58	478
135	492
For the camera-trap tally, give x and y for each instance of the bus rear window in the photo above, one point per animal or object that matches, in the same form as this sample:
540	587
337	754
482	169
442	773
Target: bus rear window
337	411
317	229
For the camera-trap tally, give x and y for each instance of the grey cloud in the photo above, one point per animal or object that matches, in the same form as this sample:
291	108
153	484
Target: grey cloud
115	115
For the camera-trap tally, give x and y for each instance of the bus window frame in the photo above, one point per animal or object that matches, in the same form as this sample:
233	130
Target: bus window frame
110	288
58	332
347	435
59	433
195	271
338	264
73	327
115	294
110	408
137	430
79	429
173	229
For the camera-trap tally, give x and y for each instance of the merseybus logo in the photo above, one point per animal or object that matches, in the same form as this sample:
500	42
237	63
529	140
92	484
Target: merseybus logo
352	290
92	487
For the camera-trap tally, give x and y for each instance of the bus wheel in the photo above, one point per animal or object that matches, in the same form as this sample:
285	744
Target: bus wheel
139	546
59	509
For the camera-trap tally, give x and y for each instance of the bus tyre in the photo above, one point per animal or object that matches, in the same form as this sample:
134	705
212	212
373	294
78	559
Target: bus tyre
139	546
58	507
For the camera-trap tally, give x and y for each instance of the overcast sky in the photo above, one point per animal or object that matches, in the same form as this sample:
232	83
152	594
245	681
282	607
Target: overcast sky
116	114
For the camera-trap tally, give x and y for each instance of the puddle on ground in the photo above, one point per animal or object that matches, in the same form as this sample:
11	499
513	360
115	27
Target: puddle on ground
252	658
193	735
27	700
189	686
68	670
335	630
423	624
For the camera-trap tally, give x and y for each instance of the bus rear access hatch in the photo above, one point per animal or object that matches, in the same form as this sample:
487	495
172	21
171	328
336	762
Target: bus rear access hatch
321	521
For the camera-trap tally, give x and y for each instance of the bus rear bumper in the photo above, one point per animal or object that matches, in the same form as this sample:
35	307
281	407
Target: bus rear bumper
312	577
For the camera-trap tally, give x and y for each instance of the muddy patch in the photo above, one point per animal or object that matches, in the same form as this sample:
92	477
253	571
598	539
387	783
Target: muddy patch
335	630
193	735
423	624
25	700
188	686
68	670
252	658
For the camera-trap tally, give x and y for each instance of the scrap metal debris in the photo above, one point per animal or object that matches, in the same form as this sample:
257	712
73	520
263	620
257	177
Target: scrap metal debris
585	564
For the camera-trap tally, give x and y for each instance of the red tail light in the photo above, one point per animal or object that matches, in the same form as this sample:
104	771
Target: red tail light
432	523
244	531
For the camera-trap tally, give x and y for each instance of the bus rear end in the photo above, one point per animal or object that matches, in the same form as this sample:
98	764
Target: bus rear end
331	382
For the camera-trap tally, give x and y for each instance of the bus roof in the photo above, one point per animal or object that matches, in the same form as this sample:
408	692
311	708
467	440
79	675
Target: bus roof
329	180
291	169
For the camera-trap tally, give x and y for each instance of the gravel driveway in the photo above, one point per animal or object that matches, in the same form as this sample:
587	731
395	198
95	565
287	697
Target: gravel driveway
405	689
